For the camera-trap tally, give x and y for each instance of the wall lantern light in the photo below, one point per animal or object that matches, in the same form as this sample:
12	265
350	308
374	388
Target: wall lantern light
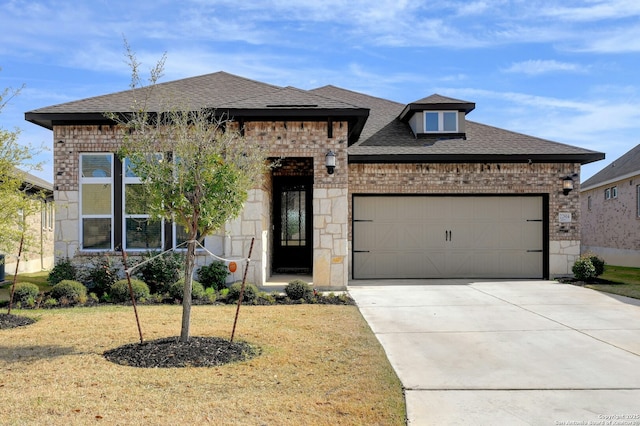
567	185
330	161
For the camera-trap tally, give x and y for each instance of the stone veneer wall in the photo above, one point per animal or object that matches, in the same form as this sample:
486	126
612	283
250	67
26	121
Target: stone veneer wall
611	228
299	140
482	178
282	139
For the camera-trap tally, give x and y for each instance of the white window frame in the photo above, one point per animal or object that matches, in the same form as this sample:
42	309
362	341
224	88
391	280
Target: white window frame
589	202
96	180
607	193
441	115
638	200
135	180
614	192
47	215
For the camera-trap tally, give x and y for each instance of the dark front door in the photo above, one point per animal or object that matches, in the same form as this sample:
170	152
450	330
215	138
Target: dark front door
293	226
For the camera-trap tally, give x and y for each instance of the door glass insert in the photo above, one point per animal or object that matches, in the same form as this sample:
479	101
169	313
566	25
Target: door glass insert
293	216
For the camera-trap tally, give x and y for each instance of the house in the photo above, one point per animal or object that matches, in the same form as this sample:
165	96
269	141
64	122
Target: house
417	191
610	205
38	253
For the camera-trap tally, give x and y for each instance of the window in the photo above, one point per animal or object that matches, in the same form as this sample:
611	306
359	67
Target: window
96	201
589	202
114	209
47	216
141	231
441	121
638	199
610	193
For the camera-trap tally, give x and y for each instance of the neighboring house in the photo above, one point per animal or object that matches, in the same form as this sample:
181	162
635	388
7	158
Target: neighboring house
38	254
610	204
418	191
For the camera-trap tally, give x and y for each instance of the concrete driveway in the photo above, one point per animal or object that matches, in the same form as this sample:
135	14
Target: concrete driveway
508	352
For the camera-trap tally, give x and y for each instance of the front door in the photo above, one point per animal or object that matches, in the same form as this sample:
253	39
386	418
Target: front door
293	224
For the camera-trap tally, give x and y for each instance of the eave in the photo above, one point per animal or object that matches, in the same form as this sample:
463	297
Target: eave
356	117
475	158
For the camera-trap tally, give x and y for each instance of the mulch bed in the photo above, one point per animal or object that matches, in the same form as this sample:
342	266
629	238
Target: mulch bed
170	353
13	321
575	281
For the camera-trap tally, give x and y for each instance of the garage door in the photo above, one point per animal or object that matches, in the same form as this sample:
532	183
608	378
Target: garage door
447	237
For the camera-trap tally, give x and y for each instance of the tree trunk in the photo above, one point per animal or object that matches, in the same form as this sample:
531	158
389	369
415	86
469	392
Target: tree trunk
189	265
15	275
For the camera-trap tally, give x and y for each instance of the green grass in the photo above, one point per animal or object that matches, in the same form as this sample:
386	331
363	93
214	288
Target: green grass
37	278
621	280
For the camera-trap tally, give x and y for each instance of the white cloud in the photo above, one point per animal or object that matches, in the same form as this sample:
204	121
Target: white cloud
596	10
537	66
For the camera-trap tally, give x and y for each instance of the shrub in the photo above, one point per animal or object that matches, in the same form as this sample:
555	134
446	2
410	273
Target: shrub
597	263
50	302
265	298
210	294
25	293
583	269
72	291
213	275
119	291
63	270
298	289
101	276
249	296
161	271
176	290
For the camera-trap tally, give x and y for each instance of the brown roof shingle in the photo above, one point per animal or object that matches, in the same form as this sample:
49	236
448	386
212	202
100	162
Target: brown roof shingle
626	165
378	132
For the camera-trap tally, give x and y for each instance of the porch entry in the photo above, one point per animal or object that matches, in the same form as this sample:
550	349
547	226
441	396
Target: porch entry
293	224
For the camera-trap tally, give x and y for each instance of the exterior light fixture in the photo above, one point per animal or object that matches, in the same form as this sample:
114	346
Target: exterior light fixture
330	161
567	185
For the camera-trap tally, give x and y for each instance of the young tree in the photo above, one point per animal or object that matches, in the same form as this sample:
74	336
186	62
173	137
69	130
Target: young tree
18	199
196	167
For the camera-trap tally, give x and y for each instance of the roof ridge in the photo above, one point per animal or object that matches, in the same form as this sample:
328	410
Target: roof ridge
331	86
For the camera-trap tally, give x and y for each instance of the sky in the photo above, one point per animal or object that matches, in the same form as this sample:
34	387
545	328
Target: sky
563	70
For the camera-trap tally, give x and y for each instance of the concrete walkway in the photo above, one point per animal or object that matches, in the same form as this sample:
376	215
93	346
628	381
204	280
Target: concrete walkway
508	352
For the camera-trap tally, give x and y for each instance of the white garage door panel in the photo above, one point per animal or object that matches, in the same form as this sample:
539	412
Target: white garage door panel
447	237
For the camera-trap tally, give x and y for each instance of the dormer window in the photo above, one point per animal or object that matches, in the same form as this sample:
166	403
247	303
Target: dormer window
441	121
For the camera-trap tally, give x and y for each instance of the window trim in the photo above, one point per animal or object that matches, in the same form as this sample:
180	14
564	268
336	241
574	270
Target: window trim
96	180
441	115
614	192
607	193
135	180
118	181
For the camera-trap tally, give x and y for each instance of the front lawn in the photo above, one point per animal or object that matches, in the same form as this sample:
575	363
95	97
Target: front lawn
619	280
320	365
37	278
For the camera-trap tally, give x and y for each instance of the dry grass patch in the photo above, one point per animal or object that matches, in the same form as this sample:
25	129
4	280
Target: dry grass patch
320	365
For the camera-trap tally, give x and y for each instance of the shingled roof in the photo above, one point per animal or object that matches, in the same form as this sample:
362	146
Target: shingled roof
378	131
386	138
621	168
